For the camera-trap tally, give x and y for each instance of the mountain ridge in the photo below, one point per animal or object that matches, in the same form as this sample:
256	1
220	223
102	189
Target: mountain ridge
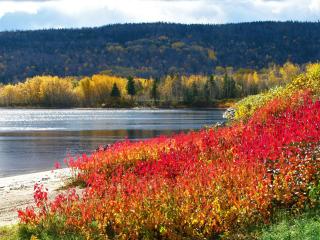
155	49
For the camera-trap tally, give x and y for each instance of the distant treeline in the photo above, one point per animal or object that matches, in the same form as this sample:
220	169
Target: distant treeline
155	49
173	90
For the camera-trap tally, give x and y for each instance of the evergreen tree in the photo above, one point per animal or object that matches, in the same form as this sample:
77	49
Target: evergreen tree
206	92
233	89
213	88
115	92
229	87
187	96
191	94
194	90
154	90
225	86
130	87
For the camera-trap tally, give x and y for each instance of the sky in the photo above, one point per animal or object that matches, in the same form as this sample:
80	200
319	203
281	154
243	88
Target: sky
40	14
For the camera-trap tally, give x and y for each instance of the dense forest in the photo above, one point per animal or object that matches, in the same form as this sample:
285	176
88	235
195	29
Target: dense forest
155	49
101	90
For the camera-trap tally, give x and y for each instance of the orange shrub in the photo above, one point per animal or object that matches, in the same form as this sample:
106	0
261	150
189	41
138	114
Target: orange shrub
196	185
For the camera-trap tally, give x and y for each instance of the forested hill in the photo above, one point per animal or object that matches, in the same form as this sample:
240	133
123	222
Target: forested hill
155	49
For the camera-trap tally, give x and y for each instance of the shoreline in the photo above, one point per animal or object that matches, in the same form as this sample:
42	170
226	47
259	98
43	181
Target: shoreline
220	107
16	192
219	104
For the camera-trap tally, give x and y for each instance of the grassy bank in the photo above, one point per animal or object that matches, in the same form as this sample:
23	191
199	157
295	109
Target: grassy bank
287	227
284	226
9	233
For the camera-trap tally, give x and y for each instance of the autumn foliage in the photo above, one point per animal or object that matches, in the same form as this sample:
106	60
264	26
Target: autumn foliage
308	80
172	90
192	186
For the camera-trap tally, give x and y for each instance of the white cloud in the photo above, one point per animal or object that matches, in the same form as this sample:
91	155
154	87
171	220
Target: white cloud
32	14
142	10
11	7
314	6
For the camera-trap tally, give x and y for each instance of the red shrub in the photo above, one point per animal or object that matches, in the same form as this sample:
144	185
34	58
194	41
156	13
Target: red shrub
198	184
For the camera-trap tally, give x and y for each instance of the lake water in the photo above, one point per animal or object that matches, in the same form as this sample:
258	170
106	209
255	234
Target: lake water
33	140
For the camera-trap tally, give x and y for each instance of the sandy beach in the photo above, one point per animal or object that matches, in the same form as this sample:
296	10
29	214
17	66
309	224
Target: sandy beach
17	192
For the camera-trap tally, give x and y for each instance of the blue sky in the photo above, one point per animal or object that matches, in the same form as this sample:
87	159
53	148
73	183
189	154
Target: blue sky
39	14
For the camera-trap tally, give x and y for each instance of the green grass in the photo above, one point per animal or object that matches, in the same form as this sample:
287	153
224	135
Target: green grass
9	233
285	227
16	232
304	227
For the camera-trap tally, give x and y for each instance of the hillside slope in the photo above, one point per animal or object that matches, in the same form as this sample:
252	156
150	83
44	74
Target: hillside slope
155	49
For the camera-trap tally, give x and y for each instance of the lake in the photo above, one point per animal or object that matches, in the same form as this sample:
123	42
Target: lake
33	140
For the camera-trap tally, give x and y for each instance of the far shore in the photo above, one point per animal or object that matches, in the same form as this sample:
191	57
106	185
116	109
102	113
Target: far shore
17	192
222	107
220	104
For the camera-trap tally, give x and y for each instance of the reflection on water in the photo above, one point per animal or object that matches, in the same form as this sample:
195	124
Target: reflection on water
36	151
33	140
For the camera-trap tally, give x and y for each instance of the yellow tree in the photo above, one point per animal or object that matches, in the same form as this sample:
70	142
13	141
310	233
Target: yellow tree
56	92
289	71
84	91
9	95
31	91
